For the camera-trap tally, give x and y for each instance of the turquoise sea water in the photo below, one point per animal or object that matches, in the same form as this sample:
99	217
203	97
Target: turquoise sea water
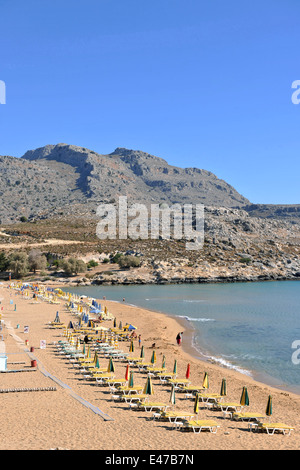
246	326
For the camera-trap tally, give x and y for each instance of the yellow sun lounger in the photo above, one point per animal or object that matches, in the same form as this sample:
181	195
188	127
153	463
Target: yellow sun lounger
149	406
175	415
247	416
271	428
200	425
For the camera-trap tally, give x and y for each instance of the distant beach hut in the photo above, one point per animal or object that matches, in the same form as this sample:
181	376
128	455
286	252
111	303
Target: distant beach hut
205	381
244	397
223	391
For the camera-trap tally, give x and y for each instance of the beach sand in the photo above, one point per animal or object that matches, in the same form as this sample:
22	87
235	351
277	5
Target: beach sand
57	419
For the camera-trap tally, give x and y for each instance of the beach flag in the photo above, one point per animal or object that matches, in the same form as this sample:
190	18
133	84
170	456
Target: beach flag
244	397
205	381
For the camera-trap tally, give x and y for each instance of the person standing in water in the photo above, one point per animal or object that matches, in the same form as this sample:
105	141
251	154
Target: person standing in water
179	338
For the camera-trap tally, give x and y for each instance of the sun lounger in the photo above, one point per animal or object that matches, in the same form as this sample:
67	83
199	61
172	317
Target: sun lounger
227	408
247	416
149	406
192	388
174	416
200	425
209	399
130	390
271	428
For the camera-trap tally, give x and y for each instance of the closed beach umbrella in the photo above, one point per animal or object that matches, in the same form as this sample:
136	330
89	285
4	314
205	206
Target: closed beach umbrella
131	380
97	364
172	396
205	381
115	322
111	367
153	357
269	406
164	362
127	373
175	367
223	388
196	404
142	355
148	389
120	326
244	397
95	357
188	371
131	349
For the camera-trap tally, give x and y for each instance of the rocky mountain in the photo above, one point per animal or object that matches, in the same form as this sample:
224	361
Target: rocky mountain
64	180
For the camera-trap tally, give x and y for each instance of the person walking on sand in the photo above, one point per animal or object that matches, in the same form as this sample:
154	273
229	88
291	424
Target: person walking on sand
179	338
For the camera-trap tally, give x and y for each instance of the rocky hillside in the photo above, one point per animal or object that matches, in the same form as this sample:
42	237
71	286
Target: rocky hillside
68	180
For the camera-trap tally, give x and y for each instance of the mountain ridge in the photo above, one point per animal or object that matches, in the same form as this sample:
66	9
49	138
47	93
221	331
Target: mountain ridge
63	179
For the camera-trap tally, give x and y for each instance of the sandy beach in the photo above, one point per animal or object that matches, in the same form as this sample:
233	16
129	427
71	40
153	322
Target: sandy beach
63	418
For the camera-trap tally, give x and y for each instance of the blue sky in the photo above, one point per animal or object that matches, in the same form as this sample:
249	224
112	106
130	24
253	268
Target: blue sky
201	84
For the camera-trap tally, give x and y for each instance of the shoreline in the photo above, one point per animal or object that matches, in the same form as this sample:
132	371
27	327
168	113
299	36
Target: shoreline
55	420
190	348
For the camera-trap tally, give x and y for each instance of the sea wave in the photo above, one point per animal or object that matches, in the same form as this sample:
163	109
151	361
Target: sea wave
227	364
196	319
